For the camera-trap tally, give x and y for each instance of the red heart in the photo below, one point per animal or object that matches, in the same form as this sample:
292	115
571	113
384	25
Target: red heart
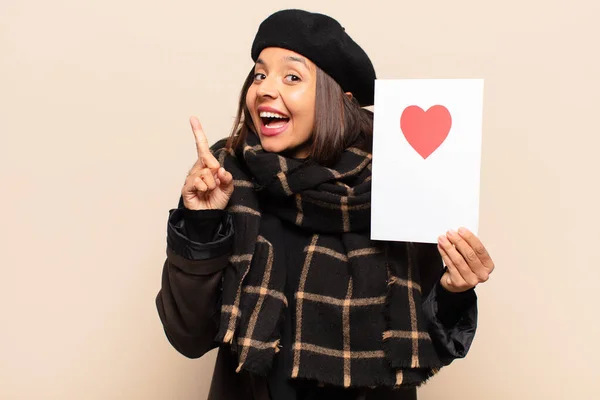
425	130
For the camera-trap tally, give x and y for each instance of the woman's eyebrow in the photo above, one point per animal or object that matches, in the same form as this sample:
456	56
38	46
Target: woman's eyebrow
296	59
286	59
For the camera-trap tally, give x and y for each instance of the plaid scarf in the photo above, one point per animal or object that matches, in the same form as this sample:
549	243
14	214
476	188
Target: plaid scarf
358	320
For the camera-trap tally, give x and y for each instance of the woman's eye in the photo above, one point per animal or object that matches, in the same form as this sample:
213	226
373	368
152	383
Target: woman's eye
293	78
259	76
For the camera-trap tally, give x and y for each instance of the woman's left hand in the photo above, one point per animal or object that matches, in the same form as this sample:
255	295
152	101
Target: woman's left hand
467	260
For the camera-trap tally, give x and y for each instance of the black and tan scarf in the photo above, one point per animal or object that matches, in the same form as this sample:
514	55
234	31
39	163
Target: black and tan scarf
358	319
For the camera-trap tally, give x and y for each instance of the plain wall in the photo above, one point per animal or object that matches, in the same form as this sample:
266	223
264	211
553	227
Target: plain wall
95	146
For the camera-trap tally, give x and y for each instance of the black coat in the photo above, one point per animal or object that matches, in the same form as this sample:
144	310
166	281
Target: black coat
198	248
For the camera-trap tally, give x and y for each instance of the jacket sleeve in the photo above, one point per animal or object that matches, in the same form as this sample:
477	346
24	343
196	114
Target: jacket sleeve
198	248
451	317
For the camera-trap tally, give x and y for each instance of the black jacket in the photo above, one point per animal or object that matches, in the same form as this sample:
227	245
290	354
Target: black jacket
198	247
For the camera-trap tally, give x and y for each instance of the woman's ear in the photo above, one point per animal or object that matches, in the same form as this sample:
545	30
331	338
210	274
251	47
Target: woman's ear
349	94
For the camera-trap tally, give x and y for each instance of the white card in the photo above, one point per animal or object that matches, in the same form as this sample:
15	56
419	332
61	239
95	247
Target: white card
426	158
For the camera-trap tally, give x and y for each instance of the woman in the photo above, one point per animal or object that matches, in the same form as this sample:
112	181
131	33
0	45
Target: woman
268	253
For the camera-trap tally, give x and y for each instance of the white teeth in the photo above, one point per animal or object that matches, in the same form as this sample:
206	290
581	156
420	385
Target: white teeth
265	114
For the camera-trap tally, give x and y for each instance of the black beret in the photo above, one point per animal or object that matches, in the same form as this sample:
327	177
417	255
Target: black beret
325	42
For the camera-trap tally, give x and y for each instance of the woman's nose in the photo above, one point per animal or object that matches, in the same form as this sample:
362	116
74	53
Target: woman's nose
267	88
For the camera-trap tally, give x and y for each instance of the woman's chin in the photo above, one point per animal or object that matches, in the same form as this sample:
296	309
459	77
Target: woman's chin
278	144
286	151
273	150
272	145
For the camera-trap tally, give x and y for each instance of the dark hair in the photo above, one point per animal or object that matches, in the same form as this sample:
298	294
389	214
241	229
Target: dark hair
340	121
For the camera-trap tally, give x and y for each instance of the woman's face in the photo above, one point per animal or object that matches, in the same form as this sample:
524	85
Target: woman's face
281	101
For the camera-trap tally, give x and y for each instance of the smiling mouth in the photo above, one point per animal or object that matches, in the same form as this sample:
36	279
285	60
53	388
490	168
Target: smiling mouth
271	120
273	124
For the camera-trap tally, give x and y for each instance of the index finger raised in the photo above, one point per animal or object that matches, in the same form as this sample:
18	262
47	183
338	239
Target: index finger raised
201	140
202	147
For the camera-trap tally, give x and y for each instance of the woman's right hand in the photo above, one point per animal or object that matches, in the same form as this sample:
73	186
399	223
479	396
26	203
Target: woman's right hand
208	186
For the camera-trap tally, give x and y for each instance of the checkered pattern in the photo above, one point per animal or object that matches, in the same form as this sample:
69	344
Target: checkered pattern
356	313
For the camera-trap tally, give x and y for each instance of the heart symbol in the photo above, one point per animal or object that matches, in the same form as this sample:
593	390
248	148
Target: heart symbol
425	130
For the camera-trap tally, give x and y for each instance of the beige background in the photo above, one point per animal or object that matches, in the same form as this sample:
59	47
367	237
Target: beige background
95	145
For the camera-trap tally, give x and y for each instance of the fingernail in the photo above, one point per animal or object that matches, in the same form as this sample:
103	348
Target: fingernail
442	239
451	232
462	230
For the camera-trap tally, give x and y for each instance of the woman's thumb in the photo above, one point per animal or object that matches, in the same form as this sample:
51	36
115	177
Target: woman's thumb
226	181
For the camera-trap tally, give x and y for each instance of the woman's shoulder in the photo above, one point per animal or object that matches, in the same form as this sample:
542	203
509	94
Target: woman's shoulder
223	148
219	145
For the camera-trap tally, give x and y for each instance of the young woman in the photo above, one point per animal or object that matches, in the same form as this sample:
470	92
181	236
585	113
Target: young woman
268	252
